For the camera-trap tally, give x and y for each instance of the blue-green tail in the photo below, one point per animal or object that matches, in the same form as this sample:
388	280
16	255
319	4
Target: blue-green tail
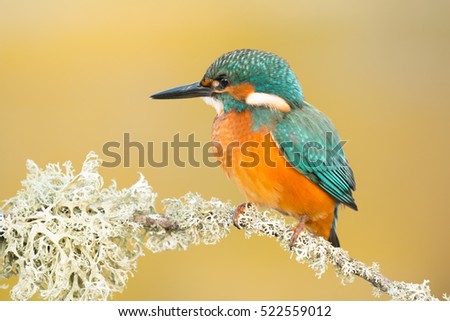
333	238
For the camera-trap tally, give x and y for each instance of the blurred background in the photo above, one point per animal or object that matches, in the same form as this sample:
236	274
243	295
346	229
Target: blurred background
77	74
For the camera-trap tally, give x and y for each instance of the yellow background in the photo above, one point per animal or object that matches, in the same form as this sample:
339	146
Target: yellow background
76	74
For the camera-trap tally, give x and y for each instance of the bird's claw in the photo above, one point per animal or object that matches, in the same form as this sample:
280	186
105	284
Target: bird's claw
297	230
238	211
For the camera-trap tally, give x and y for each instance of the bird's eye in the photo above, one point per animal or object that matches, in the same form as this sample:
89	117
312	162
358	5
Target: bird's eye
220	83
223	82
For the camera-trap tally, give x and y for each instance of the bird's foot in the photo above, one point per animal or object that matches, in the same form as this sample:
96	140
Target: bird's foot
238	211
297	230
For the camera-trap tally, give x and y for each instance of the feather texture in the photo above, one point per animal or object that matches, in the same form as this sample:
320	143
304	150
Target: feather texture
311	144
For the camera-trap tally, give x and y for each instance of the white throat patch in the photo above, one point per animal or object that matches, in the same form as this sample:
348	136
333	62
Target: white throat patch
217	104
268	100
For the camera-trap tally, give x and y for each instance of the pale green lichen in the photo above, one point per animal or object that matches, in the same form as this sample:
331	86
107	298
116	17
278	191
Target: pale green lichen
199	221
403	291
67	237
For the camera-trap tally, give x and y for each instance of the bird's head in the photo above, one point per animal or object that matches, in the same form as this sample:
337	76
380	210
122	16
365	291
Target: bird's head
244	79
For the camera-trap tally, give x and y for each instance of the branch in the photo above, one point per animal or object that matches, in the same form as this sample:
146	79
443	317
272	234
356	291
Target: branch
67	237
150	220
314	251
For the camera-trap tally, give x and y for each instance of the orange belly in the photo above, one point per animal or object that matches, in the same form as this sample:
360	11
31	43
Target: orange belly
265	177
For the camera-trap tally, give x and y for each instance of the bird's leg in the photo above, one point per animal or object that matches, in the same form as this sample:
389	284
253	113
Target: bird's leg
238	211
297	230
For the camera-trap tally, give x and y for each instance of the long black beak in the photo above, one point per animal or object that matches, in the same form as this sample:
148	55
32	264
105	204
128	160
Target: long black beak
186	91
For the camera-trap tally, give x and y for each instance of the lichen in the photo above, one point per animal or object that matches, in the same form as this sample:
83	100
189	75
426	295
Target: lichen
198	220
403	291
68	237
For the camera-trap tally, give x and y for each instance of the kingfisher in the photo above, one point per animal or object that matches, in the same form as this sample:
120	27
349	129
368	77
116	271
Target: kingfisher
285	154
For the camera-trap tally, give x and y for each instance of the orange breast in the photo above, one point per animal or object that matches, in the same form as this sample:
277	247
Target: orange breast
252	160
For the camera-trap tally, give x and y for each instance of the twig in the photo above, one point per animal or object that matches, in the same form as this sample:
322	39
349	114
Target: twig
150	220
339	258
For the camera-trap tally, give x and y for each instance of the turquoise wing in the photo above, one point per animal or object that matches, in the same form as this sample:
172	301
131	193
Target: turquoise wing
311	144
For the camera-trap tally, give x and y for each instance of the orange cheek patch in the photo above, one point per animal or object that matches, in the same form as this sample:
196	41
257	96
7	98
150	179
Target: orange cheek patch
206	82
240	92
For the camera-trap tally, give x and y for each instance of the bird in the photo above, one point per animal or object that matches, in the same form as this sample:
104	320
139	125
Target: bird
293	160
